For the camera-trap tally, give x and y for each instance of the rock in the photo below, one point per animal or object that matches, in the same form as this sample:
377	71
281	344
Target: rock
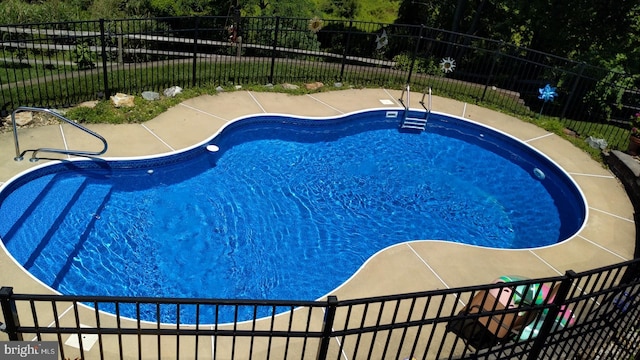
150	95
314	86
238	87
269	86
220	89
172	91
89	104
290	86
22	118
338	85
122	100
597	143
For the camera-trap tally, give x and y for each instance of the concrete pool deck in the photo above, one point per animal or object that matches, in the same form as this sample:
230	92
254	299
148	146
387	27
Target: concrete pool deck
607	238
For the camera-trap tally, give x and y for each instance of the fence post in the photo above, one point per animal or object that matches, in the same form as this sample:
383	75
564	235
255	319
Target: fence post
345	51
10	313
415	54
275	46
550	318
105	77
573	90
327	327
493	66
195	53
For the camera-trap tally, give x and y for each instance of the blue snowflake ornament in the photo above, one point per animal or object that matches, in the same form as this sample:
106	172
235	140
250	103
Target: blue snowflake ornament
547	93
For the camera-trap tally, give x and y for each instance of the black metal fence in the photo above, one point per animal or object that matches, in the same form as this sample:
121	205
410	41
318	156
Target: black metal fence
63	64
589	315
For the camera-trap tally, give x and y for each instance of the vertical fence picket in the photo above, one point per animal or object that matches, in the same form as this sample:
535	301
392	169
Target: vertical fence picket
415	55
274	50
105	74
550	318
194	66
10	313
327	327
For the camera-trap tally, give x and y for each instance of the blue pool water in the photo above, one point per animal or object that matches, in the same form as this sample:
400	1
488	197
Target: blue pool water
287	209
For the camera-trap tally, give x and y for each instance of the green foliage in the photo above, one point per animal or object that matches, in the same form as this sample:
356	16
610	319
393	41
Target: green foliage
422	65
105	9
346	9
607	96
582	30
20	12
84	57
284	8
105	112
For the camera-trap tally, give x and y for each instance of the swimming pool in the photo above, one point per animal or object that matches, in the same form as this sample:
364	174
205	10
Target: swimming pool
289	208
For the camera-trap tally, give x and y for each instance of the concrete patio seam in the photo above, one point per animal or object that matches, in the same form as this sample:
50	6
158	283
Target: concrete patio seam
204	112
158	137
325	104
545	262
613	215
538	137
64	140
603	248
592	175
392	97
429	267
257	102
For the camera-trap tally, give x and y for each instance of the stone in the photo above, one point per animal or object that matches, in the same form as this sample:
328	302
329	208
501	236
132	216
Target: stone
269	86
314	86
122	100
150	95
338	85
172	91
88	104
220	89
238	87
290	86
22	118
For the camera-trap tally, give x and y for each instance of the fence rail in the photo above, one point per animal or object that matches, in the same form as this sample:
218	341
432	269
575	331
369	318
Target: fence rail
62	64
588	315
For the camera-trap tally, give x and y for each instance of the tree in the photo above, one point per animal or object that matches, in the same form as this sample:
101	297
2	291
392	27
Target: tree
343	9
283	8
583	30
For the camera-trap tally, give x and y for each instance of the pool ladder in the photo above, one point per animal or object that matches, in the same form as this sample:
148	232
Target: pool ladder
415	123
20	155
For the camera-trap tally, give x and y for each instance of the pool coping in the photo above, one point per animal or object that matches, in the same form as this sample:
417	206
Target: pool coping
607	237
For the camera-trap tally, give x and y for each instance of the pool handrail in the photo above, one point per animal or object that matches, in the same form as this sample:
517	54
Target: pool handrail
20	155
428	107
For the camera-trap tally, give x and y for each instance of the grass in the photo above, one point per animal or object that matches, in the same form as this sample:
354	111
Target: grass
13	72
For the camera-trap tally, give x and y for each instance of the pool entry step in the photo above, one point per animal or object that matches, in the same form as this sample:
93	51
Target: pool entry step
412	122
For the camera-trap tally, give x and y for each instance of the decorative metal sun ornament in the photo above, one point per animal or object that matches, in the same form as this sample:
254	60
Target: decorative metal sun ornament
315	24
447	65
382	40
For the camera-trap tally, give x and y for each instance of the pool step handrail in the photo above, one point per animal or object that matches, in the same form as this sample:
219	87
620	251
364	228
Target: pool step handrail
416	123
20	155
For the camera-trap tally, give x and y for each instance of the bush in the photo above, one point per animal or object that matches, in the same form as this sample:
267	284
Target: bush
422	65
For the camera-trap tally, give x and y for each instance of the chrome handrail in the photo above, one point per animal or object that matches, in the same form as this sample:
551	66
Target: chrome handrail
406	106
20	155
428	108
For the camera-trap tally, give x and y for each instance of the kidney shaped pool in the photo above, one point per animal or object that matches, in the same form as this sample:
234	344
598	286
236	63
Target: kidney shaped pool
277	207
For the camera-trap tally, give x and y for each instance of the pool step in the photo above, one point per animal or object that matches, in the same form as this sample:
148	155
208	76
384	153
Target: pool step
414	123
